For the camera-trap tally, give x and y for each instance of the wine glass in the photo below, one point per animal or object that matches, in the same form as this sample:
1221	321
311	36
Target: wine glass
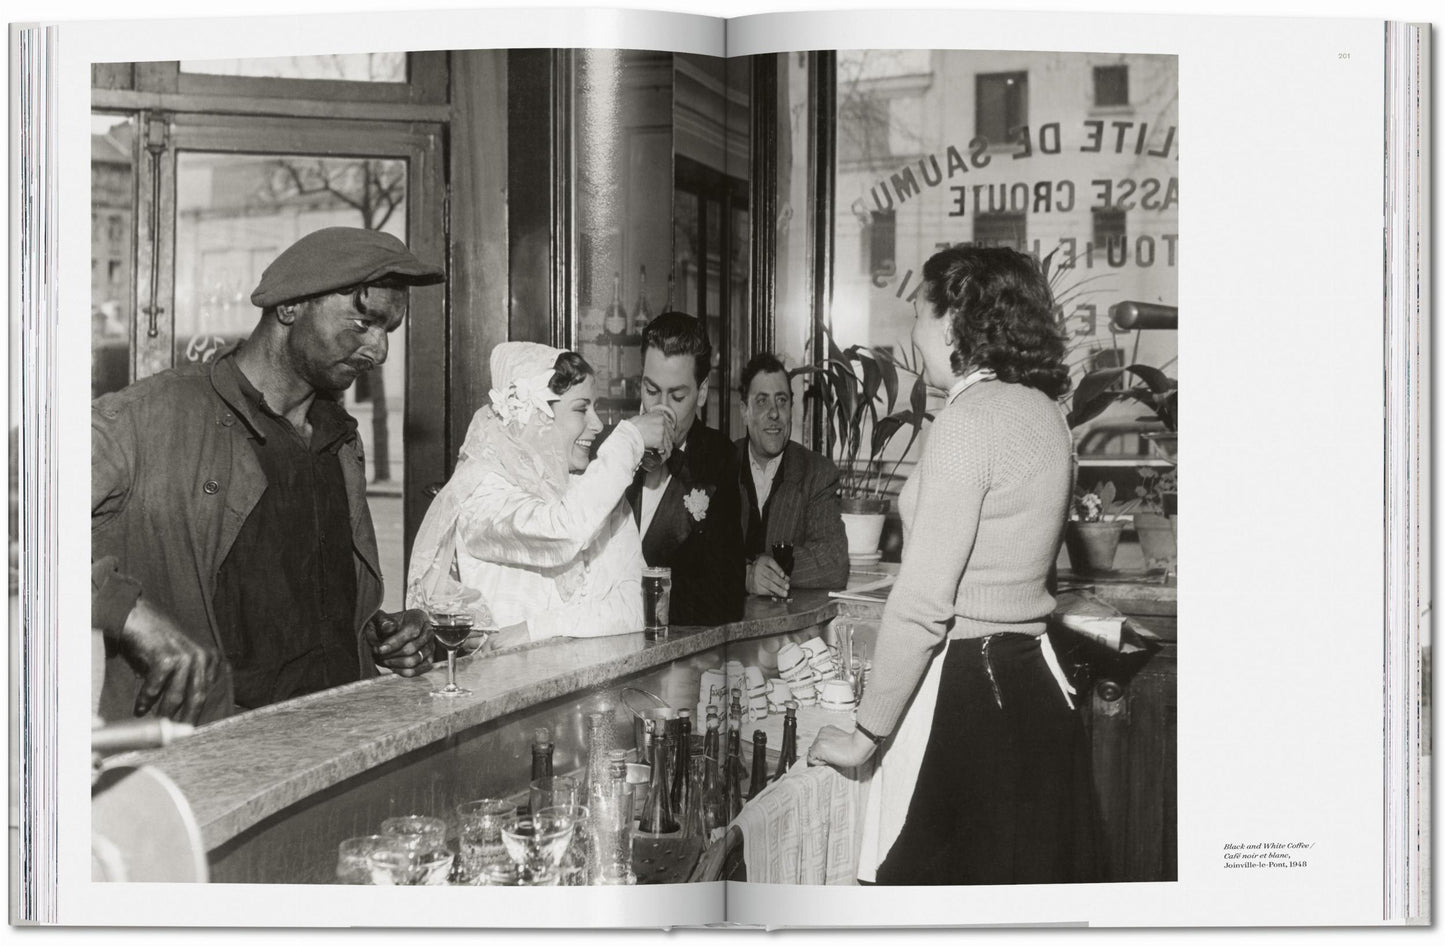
783	555
451	629
536	843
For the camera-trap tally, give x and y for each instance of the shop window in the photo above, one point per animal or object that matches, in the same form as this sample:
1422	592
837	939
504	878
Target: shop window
1111	85
863	128
1002	103
1109	227
999	229
879	244
360	67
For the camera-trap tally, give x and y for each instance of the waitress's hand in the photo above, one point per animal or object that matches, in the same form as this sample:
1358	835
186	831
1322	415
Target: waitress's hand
840	749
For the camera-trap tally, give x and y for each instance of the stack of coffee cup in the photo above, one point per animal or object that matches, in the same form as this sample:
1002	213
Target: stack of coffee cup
756	707
794	666
820	659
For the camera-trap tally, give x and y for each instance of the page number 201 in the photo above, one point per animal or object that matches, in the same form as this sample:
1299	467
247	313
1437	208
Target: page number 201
1342	55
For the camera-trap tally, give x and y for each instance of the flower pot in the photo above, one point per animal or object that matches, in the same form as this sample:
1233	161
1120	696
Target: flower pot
1156	539
863	522
1092	545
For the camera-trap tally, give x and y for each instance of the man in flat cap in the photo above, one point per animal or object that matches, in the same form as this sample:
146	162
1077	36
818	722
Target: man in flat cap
234	558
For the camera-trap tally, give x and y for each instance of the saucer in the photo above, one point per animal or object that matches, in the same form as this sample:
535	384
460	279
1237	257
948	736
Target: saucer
864	558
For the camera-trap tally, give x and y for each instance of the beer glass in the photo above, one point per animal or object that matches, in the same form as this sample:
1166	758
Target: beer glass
479	836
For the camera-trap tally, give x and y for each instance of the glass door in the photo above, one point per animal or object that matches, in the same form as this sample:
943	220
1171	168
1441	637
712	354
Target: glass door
220	197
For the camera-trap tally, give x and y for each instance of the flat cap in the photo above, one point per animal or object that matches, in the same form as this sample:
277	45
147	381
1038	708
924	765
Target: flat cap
335	258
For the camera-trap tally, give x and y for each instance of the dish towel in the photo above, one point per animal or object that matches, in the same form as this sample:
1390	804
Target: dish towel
804	828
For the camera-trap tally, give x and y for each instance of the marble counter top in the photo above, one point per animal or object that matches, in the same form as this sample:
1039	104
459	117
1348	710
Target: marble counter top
239	771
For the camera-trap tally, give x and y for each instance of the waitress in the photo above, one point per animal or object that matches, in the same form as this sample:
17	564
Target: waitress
983	773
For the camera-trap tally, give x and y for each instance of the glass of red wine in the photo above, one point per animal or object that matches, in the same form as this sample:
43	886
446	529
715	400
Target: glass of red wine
451	630
783	555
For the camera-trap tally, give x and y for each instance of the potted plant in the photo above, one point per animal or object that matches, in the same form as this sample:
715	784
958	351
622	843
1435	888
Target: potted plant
1154	526
856	390
1093	531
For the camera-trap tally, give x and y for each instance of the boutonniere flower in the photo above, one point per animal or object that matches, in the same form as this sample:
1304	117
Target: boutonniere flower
696	503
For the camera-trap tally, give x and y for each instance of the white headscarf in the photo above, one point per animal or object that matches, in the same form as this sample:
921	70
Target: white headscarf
509	438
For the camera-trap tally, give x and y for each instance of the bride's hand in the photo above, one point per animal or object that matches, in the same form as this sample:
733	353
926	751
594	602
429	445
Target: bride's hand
506	638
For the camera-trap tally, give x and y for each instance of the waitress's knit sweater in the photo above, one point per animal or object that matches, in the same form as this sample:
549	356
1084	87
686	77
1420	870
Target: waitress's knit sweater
992	492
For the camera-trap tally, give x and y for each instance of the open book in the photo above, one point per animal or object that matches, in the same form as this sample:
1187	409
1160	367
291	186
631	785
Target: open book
784	177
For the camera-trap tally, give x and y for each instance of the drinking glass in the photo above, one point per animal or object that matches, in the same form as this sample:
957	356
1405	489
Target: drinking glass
554	791
536	844
392	867
353	864
576	866
783	555
479	836
451	630
418	832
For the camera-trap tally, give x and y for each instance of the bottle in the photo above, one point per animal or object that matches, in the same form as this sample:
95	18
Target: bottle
541	753
711	797
788	751
612	824
735	711
671	304
710	745
759	780
695	827
681	794
733	774
658	817
614	318
599	750
642	311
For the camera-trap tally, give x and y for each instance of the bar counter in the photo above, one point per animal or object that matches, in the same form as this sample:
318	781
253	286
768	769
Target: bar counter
274	790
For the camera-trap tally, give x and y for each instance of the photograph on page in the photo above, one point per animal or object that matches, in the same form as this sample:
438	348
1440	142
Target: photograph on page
708	482
277	510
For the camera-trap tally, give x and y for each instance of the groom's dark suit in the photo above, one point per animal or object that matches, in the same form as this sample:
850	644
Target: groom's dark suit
697	530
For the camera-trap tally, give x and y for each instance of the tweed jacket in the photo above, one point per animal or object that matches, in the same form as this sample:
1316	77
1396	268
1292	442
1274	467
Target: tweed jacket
803	511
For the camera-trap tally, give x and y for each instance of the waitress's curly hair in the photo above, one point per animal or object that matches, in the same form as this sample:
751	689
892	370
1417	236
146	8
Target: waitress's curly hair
1002	314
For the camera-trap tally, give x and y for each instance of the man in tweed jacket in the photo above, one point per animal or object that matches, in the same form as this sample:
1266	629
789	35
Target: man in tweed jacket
789	494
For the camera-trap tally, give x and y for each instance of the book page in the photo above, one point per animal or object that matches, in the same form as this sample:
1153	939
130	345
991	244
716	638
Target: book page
221	51
1280	764
1277	248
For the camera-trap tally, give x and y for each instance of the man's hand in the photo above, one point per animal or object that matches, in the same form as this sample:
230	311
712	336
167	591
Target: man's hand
766	577
841	750
176	672
400	642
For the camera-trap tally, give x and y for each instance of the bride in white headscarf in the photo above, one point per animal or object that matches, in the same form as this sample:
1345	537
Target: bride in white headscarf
528	535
